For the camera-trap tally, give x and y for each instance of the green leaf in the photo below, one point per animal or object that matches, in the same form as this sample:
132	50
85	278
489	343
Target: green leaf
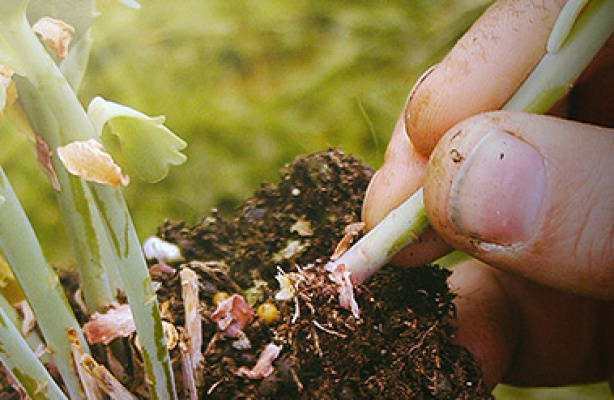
74	65
7	56
12	9
139	143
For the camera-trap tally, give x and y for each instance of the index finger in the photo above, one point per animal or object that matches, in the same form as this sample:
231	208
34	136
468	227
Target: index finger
483	70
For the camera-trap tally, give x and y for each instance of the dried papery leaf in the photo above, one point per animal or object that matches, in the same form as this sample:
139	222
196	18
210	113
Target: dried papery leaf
193	320
89	161
43	156
103	328
218	272
29	320
350	233
264	365
41	350
138	376
106	381
187	370
170	334
341	277
232	315
55	34
78	298
8	90
165	310
87	381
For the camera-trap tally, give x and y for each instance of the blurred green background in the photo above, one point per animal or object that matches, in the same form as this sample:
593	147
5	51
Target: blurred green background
249	86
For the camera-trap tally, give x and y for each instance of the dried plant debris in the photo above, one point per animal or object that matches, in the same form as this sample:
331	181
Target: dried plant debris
104	328
56	35
88	160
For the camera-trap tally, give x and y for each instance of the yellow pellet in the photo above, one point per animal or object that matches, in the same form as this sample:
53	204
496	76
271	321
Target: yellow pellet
268	312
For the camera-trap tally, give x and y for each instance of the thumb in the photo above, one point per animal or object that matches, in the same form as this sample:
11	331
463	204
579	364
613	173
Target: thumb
528	194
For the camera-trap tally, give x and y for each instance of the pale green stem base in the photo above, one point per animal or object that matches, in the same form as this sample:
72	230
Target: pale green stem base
401	227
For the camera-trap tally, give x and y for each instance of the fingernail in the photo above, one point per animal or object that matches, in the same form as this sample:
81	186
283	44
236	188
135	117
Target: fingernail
498	192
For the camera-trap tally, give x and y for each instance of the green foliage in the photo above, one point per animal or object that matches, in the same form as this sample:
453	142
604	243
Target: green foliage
141	144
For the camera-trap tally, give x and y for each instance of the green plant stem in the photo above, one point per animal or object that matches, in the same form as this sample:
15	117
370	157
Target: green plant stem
401	227
32	338
90	244
550	81
23	364
134	273
73	125
556	73
40	284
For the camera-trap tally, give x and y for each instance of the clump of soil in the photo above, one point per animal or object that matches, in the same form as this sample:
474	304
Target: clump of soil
400	347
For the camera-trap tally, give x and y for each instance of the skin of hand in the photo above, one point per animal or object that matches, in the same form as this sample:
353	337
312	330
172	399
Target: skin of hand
531	197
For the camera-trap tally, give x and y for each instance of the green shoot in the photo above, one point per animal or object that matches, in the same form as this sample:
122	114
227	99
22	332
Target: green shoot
39	283
23	364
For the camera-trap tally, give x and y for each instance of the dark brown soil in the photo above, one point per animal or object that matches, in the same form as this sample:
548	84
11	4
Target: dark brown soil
401	347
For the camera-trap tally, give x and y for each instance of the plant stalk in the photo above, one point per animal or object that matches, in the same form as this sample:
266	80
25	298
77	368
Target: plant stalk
22	363
400	227
32	338
85	230
39	283
137	284
557	72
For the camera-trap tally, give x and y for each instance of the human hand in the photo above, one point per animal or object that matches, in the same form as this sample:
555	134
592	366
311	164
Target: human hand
530	195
